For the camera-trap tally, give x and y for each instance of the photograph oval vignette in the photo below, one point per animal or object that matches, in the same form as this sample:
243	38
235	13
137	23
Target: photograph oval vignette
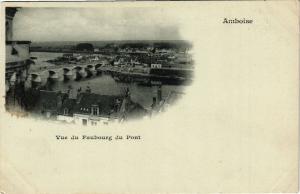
88	67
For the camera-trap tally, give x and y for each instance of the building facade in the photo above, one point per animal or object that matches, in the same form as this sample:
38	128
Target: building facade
17	59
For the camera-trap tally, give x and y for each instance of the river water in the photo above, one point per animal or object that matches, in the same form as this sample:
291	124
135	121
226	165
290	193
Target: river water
101	84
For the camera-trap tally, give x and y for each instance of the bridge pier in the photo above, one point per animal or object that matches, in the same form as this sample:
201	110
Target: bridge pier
36	80
80	73
68	74
53	76
90	70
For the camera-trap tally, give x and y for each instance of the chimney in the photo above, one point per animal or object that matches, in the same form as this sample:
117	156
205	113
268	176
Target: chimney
159	98
153	102
79	97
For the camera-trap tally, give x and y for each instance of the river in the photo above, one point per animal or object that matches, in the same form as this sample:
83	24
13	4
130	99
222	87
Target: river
102	84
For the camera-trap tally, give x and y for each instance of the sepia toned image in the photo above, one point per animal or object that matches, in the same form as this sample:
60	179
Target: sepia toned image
149	97
89	66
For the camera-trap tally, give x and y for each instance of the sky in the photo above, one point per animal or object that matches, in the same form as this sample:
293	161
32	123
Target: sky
94	24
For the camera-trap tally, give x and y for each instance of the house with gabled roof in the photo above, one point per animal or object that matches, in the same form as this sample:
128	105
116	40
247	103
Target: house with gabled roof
91	109
50	102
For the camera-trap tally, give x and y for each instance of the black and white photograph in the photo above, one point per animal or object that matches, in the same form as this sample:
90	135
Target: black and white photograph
149	97
93	66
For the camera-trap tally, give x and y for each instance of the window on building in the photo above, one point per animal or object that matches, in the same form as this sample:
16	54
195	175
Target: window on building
95	110
66	111
84	122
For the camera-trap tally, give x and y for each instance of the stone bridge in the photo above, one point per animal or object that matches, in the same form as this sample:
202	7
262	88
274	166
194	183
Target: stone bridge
75	72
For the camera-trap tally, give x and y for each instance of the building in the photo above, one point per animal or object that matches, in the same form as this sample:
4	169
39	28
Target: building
17	52
17	59
130	110
66	111
91	109
50	102
68	55
9	15
157	66
17	63
172	97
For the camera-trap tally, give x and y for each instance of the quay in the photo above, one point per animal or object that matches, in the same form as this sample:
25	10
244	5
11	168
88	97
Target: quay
37	83
173	76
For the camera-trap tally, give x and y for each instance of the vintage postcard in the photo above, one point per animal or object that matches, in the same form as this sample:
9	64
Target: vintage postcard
149	97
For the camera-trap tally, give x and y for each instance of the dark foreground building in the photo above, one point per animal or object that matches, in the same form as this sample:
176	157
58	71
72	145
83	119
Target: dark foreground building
17	63
87	108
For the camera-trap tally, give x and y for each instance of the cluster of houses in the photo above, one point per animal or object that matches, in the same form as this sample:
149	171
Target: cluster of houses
166	58
81	107
88	109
